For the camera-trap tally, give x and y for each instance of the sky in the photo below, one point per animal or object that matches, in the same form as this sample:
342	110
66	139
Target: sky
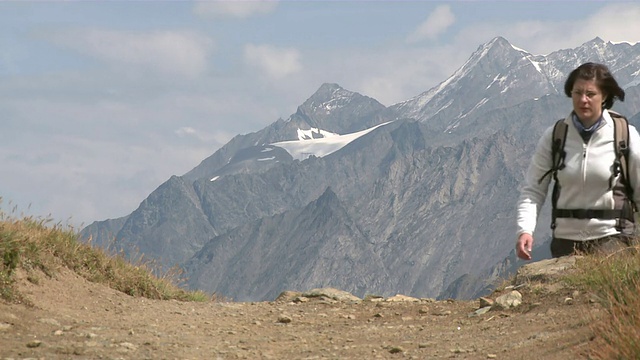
103	101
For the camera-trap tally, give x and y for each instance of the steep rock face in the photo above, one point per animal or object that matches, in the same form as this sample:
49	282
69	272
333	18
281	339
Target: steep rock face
630	107
635	120
317	246
168	226
423	205
437	205
396	199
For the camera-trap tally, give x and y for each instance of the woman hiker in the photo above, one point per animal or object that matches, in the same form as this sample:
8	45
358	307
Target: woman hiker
596	183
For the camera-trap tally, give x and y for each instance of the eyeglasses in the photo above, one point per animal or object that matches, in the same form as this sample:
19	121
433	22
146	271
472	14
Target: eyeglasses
589	94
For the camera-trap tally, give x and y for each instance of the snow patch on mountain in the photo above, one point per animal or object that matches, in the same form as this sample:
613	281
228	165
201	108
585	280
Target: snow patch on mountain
335	103
499	79
536	64
519	49
623	42
444	107
634	82
314	133
304	148
480	103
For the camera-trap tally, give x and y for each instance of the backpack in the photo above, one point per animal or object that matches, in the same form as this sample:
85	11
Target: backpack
620	166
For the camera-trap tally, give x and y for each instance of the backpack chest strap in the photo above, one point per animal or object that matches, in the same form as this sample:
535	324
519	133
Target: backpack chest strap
604	214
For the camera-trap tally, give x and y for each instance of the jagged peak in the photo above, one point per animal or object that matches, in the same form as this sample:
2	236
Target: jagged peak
325	204
323	208
495	45
329	87
497	41
595	43
328	91
596	40
328	98
327	196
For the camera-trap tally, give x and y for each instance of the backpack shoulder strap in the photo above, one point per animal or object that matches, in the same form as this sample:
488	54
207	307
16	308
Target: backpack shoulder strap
621	143
558	154
557	149
559	138
621	136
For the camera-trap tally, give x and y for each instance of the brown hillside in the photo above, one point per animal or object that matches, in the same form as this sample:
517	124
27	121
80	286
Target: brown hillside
72	318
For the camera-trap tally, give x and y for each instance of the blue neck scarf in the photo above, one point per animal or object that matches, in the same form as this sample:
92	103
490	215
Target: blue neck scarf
586	132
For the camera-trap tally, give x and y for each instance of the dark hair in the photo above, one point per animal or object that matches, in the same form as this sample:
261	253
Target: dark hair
603	78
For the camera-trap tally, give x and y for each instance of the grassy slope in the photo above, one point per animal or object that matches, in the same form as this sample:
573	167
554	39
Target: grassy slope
32	245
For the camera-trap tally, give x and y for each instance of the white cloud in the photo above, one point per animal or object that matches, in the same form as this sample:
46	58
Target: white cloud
183	53
237	9
438	21
219	138
275	63
615	22
186	131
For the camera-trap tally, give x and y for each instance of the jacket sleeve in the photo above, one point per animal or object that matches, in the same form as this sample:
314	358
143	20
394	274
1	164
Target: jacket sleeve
532	192
634	163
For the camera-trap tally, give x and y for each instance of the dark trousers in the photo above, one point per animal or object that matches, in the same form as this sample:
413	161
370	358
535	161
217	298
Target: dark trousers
607	245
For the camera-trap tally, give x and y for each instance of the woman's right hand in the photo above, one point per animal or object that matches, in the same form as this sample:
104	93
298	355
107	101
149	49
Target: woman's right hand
524	245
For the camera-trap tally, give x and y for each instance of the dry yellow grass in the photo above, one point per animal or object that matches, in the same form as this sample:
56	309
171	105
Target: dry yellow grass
615	280
35	245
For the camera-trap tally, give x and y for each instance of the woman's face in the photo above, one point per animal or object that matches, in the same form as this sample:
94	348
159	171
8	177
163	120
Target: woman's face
587	101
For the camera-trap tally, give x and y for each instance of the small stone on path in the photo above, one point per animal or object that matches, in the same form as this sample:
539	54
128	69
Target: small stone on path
34	344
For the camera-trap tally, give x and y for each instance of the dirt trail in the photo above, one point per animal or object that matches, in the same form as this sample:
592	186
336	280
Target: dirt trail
72	318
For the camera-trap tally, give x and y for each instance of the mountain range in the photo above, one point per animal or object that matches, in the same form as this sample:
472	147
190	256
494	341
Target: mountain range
416	198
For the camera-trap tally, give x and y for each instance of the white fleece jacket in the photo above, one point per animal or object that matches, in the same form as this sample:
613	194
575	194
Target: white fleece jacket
584	181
